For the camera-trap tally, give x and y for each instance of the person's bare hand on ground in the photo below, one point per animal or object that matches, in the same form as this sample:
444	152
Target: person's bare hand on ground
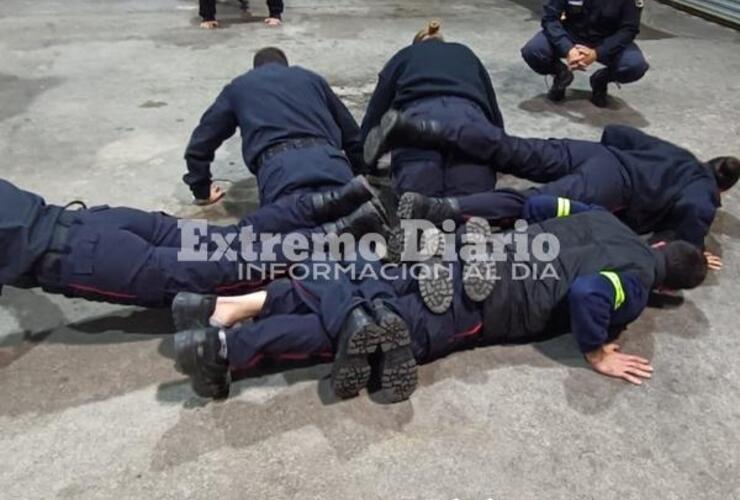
216	194
713	261
608	361
209	25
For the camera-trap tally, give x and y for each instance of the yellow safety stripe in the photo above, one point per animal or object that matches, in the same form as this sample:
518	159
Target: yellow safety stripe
563	207
618	289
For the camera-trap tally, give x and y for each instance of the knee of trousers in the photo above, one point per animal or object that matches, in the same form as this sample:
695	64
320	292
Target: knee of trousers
539	60
630	72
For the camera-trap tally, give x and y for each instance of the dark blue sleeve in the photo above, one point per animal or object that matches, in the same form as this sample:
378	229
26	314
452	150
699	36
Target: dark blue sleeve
497	118
217	124
615	43
542	207
596	306
626	138
553	28
382	98
693	214
351	141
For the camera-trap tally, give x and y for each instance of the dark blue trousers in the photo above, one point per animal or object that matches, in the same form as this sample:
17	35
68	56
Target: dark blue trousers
442	173
584	171
625	67
128	256
304	170
294	325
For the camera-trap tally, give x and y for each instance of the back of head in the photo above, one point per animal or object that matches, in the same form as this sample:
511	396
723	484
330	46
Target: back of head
685	265
269	55
726	170
431	31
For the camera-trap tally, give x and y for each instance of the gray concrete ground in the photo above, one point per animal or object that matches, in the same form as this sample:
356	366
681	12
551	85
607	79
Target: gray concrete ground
97	100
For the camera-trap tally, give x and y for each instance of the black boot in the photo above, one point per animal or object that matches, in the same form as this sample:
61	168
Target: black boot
396	130
561	80
478	275
358	340
197	356
397	367
192	310
371	217
435	210
331	205
599	88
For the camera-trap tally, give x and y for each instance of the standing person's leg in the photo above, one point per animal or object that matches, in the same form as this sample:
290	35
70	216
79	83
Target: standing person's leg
544	59
626	67
540	55
629	65
207	12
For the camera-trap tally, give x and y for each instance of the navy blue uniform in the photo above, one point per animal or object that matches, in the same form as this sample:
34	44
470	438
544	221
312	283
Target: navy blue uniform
26	227
300	320
208	9
127	256
436	80
272	105
651	184
609	27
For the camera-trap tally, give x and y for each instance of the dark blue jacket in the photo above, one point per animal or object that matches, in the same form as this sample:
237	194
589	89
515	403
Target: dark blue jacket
606	25
269	105
428	69
26	227
671	189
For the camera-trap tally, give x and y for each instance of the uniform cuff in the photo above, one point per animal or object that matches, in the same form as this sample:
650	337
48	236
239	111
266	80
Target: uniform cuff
201	191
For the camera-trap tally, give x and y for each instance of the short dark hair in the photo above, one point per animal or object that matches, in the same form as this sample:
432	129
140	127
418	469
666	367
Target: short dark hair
685	265
270	55
726	170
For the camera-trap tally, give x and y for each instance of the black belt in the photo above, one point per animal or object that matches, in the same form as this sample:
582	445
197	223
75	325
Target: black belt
288	145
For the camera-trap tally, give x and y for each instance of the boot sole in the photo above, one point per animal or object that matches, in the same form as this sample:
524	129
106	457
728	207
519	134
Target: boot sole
398	370
375	143
188	312
351	369
405	211
475	283
437	288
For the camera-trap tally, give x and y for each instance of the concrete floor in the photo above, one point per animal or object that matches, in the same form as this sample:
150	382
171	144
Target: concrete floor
97	100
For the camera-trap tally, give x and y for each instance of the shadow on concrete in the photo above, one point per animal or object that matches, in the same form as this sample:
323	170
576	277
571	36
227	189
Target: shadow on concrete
578	109
350	426
242	197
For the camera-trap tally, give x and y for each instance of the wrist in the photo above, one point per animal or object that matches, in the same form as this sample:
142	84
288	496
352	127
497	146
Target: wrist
594	356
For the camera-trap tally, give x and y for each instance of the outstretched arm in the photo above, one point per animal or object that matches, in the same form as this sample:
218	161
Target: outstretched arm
217	124
351	141
598	303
